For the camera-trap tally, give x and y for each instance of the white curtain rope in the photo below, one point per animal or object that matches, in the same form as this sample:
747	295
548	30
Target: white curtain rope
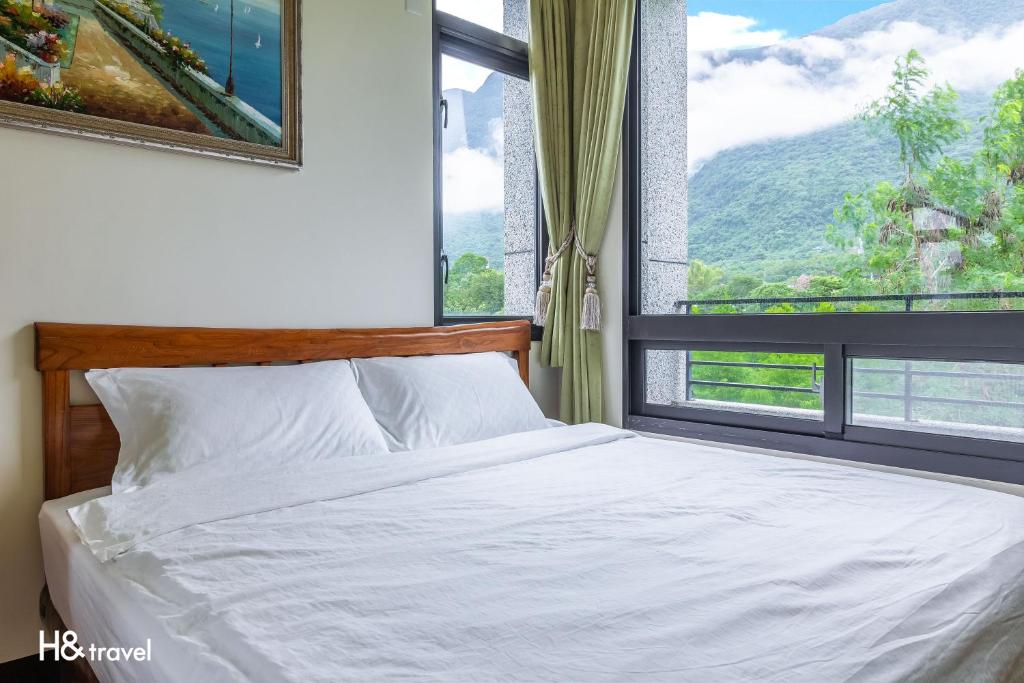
590	313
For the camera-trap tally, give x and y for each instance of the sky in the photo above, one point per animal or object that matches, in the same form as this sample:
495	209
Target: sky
804	83
741	23
490	13
793	18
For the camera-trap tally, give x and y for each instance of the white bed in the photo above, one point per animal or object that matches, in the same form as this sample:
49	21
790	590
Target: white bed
572	553
99	605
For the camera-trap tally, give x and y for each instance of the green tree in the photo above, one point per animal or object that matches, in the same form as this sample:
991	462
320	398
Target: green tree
826	285
703	278
922	123
880	222
773	290
1004	132
740	286
474	287
983	197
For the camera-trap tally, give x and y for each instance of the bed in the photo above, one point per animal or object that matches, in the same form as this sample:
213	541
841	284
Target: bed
569	553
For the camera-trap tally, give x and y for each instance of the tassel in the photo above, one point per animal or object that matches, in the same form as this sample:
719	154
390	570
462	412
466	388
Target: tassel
590	316
540	308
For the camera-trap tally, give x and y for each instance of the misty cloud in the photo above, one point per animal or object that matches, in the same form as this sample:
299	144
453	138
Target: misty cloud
714	31
799	86
473	181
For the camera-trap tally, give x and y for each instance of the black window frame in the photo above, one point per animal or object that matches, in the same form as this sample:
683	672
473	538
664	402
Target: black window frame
462	39
993	336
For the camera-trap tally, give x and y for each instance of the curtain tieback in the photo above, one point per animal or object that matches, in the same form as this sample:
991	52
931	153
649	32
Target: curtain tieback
590	313
540	309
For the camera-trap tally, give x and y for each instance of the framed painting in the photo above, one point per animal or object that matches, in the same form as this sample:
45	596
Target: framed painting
213	77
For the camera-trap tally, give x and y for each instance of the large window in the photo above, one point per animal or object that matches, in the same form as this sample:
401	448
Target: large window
487	226
491	14
825	207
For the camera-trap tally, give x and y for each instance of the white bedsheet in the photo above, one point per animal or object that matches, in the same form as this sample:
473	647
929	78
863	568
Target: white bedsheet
101	607
575	553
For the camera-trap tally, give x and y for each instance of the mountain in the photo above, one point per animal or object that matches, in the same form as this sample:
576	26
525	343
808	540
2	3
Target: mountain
762	208
949	16
971	16
470	117
770	202
478	232
470	114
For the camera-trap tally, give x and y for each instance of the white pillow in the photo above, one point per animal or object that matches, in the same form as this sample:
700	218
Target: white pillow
173	419
432	401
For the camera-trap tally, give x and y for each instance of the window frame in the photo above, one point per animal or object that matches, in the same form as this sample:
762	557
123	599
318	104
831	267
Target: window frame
462	39
994	336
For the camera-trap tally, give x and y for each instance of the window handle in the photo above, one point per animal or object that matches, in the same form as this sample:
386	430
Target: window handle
444	262
444	113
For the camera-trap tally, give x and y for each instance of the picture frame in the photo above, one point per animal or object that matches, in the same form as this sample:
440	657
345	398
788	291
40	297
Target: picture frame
119	43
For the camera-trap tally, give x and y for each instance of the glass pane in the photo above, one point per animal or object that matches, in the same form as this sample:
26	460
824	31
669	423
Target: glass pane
982	400
834	159
489	192
781	384
505	16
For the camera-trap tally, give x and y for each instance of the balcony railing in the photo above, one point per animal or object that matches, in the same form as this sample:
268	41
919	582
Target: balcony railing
813	387
907	300
816	376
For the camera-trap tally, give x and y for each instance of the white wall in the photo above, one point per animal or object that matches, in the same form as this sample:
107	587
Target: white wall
93	232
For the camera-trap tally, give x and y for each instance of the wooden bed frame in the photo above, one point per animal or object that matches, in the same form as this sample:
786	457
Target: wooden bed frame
80	443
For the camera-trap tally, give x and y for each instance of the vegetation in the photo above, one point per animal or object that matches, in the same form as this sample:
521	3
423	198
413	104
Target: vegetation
177	49
944	221
971	208
923	124
796	378
481	233
156	8
474	288
36	31
19	85
57	96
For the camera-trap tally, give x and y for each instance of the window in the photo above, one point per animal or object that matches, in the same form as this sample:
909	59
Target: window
487	226
504	16
781	384
939	397
825	217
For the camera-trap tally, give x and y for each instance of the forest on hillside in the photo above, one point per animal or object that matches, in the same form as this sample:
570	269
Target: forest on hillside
950	222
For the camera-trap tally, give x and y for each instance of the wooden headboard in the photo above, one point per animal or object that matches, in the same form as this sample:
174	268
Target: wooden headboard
80	443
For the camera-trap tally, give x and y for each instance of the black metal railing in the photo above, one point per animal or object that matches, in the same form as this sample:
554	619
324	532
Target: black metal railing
909	399
907	370
908	300
814	387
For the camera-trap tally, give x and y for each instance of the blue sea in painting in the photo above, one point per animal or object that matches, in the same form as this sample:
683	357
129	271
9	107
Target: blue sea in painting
206	25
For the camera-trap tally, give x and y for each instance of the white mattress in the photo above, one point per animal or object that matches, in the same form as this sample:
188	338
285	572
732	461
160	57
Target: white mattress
101	606
578	553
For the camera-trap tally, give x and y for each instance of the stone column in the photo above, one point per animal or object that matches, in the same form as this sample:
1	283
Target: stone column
520	177
663	191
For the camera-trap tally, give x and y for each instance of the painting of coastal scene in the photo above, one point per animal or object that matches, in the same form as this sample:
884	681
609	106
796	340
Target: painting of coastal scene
204	73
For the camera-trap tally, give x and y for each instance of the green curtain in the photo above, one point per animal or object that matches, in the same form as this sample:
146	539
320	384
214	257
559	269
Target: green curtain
579	63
